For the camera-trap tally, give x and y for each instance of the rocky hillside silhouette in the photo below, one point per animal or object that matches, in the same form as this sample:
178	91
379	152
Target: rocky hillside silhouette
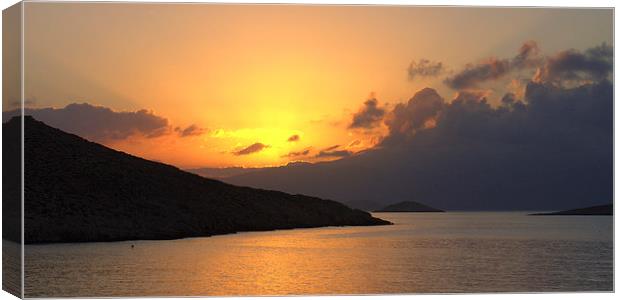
80	191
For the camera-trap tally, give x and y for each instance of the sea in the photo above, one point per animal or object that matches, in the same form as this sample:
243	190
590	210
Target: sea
453	252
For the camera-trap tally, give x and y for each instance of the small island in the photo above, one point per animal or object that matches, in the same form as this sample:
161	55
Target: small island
598	210
409	206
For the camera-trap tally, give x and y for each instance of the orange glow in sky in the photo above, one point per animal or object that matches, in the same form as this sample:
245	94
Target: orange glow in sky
250	74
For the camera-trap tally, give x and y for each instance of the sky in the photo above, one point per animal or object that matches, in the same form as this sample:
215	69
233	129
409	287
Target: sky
204	85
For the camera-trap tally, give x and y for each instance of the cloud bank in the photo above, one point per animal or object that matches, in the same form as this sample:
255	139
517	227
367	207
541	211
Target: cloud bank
594	64
102	124
550	149
98	123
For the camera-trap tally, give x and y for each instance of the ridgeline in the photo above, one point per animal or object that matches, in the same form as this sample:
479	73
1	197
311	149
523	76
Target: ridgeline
80	191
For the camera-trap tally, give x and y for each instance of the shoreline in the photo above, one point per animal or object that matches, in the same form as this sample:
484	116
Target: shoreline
197	236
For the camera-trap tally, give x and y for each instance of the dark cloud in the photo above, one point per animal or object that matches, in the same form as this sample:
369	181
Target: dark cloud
293	138
192	130
421	110
330	148
509	99
369	116
569	66
424	68
490	69
354	143
254	148
594	64
527	56
470	96
552	150
98	123
301	153
334	153
493	68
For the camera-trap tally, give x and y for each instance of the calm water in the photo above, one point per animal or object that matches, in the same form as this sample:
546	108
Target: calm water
422	253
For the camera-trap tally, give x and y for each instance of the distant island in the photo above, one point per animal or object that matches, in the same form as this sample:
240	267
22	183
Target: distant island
598	210
408	206
80	191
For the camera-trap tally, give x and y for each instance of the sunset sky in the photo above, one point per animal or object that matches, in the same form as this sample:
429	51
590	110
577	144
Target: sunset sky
263	85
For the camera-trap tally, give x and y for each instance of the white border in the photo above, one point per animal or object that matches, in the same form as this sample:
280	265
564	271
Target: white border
504	3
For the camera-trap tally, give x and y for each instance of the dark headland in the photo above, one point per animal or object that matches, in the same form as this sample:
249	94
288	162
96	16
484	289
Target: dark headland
599	210
409	206
80	191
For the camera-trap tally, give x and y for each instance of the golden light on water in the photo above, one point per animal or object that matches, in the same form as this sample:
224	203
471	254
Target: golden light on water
423	253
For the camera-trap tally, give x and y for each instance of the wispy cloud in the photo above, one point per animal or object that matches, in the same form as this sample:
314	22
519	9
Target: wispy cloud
301	153
254	148
293	138
424	68
333	152
493	68
192	130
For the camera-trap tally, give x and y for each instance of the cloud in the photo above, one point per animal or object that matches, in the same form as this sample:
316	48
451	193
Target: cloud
292	154
98	123
102	124
474	96
527	55
489	69
254	148
369	116
192	130
511	101
293	138
550	150
27	102
330	148
354	143
424	68
493	68
571	65
335	153
406	119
